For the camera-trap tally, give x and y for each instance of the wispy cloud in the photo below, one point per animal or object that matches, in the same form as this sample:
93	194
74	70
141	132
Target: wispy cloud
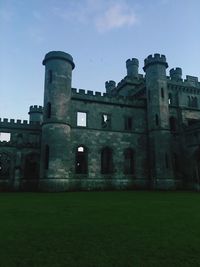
117	16
103	15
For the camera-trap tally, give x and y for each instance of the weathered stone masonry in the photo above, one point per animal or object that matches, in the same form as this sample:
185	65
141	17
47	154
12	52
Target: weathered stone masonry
143	133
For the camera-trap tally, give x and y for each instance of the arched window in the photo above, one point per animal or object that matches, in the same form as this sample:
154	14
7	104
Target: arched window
31	169
46	160
172	124
129	161
106	161
81	160
48	110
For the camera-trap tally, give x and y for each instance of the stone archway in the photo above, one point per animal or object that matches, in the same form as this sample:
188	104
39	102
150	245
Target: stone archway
31	166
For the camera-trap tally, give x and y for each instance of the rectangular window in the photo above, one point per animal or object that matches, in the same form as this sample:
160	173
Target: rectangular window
128	123
105	121
162	92
82	119
5	137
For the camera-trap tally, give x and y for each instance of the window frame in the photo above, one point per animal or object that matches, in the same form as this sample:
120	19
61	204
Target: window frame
109	124
126	123
86	118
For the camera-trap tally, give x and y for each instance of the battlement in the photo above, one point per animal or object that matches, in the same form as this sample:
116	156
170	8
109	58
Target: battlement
188	84
59	55
35	109
176	74
110	85
11	123
104	98
155	59
132	61
192	80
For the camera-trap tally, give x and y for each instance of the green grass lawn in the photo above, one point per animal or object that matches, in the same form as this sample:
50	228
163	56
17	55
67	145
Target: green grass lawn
100	229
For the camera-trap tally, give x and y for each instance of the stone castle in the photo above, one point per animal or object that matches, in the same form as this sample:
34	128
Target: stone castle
143	133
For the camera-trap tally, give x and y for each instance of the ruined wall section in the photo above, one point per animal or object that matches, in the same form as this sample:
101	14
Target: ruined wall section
19	156
94	137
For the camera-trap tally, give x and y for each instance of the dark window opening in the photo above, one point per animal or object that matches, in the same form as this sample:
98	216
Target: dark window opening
46	157
31	170
194	102
157	120
166	161
106	161
48	110
189	101
81	160
50	78
129	161
176	162
162	92
105	121
172	124
128	123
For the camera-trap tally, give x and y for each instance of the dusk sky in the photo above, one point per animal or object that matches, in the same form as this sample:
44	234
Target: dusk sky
99	34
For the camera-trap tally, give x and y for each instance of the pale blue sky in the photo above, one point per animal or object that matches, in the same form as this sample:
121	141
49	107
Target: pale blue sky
100	35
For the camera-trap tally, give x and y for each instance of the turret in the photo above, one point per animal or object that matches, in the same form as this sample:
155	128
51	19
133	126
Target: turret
161	172
156	86
110	85
132	67
35	114
176	74
157	63
55	144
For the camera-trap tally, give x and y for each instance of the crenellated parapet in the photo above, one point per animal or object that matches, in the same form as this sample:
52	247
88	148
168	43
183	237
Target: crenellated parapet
155	59
20	124
110	85
176	74
191	83
35	114
35	109
105	98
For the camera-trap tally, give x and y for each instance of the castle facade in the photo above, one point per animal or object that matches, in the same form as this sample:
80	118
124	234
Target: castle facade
142	133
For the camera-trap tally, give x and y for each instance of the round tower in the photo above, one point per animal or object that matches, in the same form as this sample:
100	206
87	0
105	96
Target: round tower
55	143
161	172
176	74
35	114
132	67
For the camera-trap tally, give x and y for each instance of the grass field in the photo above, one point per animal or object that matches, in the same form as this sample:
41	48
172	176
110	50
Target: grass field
100	229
